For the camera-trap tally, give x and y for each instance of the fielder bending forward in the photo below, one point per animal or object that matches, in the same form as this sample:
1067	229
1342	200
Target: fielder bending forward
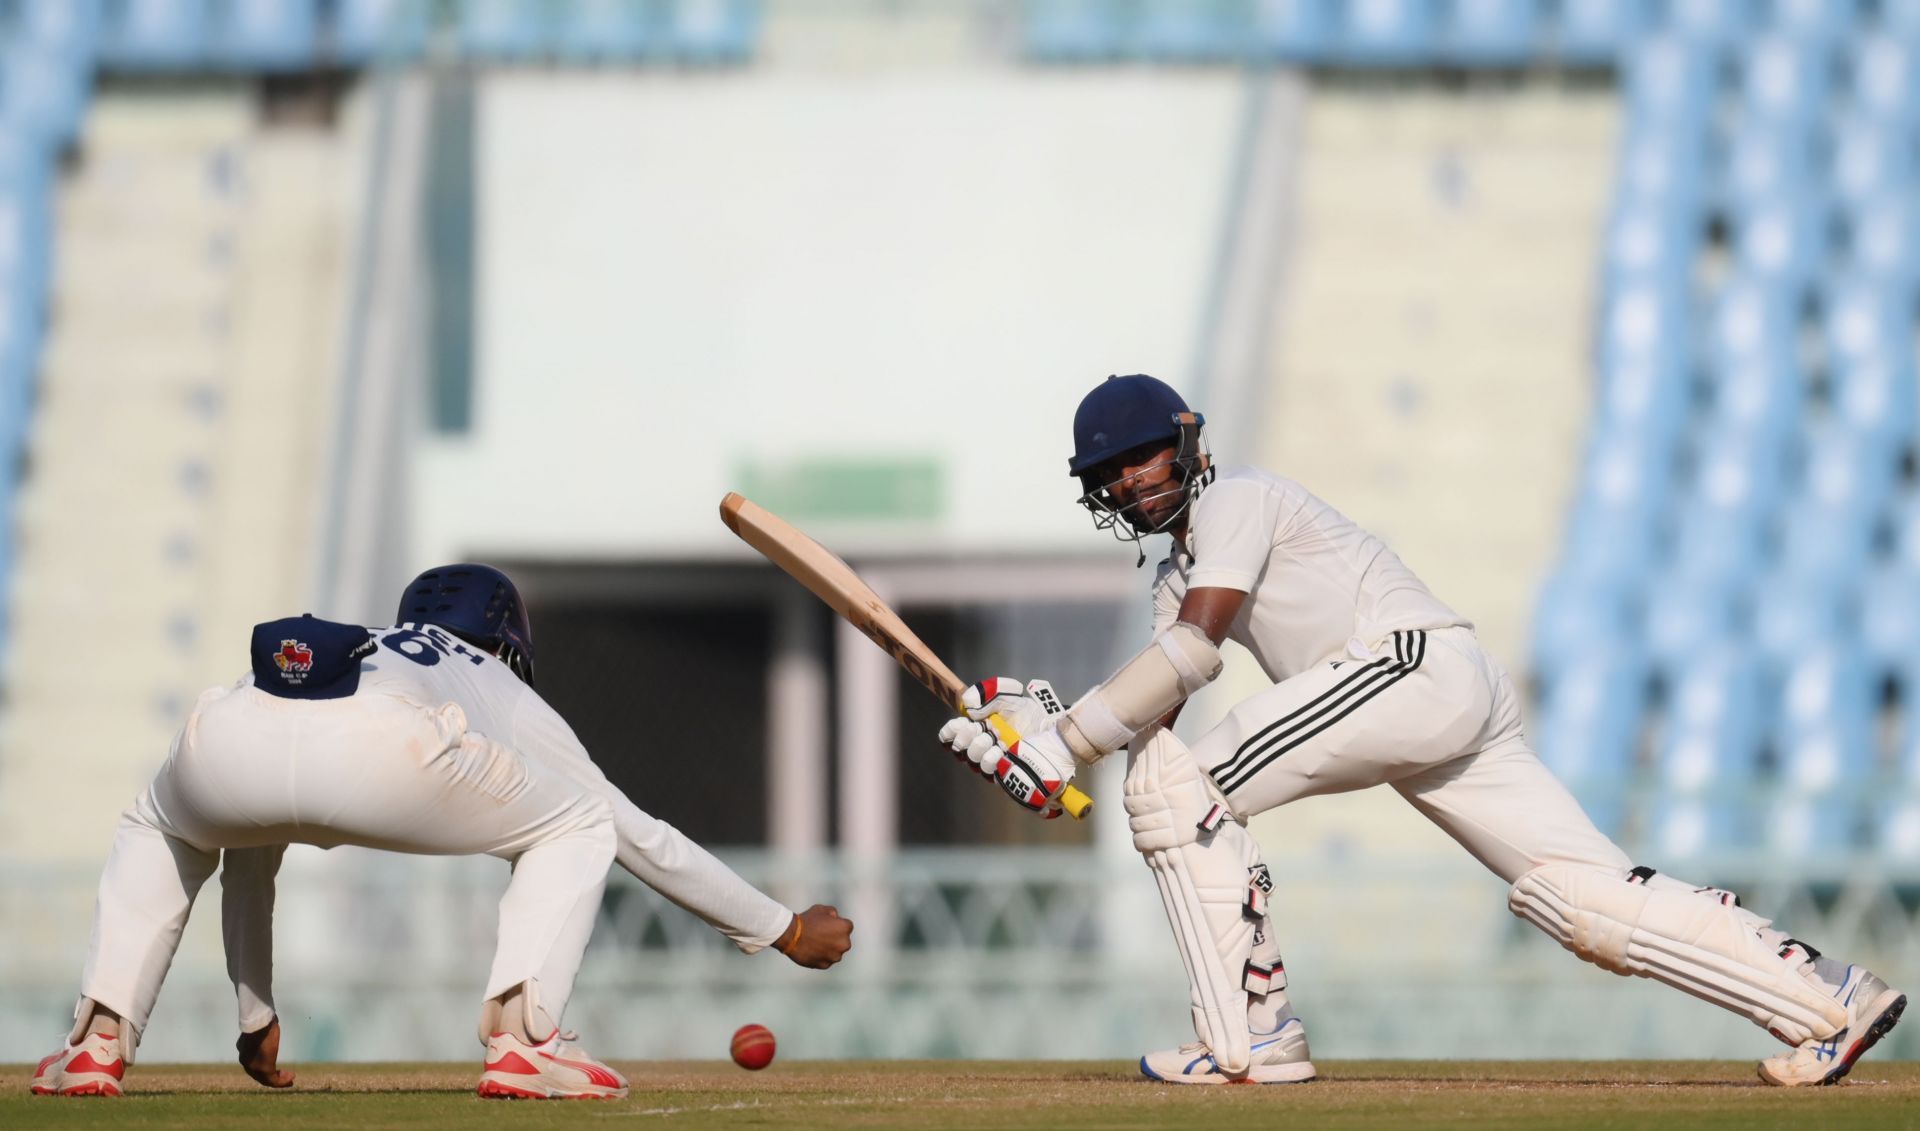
428	738
1375	682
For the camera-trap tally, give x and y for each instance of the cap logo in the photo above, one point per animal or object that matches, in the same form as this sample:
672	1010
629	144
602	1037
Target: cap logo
1099	438
293	658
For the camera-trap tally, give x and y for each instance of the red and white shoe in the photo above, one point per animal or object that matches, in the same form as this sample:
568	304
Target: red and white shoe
94	1067
554	1069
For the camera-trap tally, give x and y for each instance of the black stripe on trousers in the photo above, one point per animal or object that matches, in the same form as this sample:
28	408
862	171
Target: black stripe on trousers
1416	649
1306	712
1338	690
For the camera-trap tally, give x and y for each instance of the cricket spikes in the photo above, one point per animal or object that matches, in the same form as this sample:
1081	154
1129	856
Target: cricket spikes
92	1066
1873	1009
555	1069
1278	1057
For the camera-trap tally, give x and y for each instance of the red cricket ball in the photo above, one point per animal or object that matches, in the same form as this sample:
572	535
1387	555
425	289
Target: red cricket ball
753	1046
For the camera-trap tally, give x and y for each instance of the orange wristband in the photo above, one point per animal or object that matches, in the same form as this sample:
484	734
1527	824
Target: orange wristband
799	925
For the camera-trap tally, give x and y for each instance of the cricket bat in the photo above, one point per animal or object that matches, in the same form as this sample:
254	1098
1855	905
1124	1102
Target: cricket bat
833	581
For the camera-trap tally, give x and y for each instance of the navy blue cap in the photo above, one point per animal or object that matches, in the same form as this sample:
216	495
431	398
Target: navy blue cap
308	658
1122	413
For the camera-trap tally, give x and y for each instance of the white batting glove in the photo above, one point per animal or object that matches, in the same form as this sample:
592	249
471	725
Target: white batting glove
1023	707
1036	769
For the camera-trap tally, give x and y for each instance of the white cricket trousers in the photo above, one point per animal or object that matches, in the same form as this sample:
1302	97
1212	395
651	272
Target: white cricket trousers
1427	712
250	770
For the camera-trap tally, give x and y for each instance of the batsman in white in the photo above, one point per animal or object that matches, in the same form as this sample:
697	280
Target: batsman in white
426	737
1375	681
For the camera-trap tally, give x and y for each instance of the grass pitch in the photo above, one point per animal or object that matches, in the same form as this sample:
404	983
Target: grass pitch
987	1094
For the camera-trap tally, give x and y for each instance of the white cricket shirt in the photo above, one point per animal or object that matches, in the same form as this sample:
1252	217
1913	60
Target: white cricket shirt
1314	579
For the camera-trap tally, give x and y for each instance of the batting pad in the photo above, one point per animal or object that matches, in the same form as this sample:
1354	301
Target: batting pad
1690	940
1213	886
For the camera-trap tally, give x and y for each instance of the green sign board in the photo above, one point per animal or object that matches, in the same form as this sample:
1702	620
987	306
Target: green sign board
904	489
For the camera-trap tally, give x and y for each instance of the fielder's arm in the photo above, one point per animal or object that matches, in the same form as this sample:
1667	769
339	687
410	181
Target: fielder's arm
247	878
653	851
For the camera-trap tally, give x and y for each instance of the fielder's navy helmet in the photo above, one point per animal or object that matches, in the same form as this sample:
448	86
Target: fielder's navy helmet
1123	413
478	604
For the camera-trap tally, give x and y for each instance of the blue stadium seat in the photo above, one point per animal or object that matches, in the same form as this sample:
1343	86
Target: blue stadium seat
44	92
1588	728
1800	828
1878	399
1616	511
1785	79
1828	547
1845	470
366	30
1661	166
1901	17
1650	243
1768	162
1714	22
713	31
594	30
1883	240
1736	473
1897	824
1865	323
26	212
1715	548
1684	829
1872	160
268	35
1649	398
1198	31
1690	614
1671	81
1781	239
69	28
1645	319
1295	31
503	29
1754	319
1481	33
1904	532
1889	625
1597	31
157	35
1716	718
1826	726
1388	32
1906	755
1582	611
1797	605
1759	396
1885	70
1816	21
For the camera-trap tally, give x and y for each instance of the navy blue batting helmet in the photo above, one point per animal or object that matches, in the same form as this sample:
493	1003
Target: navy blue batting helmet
1123	413
478	604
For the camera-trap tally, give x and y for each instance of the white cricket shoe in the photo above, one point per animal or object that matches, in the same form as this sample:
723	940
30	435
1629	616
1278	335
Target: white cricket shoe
1279	1057
93	1067
554	1069
1873	1008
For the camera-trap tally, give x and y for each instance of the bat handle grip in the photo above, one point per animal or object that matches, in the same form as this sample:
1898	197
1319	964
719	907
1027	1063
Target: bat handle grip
1076	803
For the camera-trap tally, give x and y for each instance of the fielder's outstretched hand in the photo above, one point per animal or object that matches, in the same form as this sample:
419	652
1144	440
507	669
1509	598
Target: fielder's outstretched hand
260	1056
817	938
